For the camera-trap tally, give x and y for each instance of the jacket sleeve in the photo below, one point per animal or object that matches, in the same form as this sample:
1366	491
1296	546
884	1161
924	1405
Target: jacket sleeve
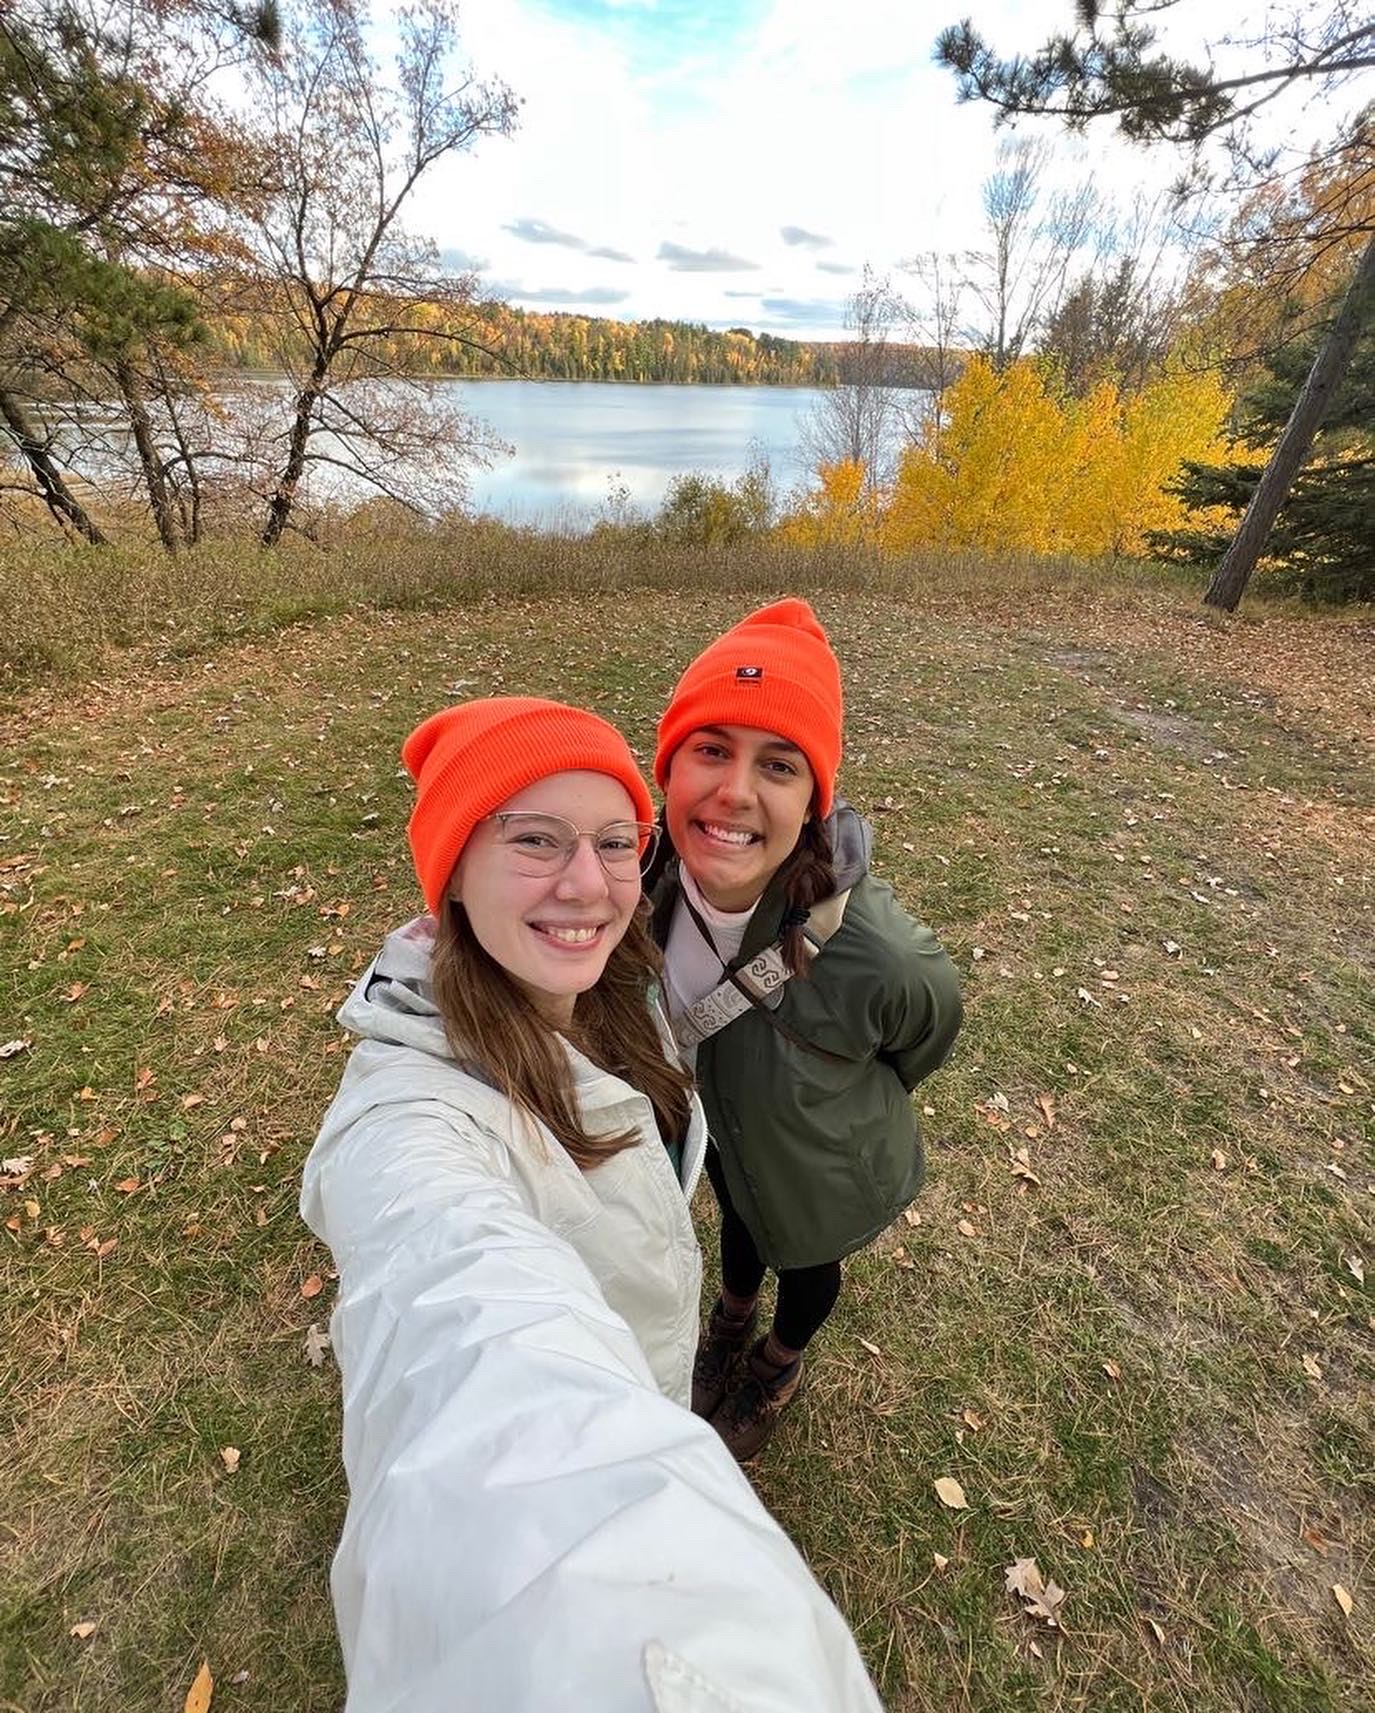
530	1521
923	1010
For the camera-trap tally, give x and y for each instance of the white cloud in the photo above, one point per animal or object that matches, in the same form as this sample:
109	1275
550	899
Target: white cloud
645	145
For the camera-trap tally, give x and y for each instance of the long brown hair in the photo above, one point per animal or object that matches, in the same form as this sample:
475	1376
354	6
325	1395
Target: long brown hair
489	1019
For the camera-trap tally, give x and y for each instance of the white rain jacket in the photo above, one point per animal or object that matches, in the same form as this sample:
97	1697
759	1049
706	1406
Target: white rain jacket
534	1519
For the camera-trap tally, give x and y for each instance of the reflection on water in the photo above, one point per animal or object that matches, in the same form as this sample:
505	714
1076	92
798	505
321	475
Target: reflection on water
574	442
569	451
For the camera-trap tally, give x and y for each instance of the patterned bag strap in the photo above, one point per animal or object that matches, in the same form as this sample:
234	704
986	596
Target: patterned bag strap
759	983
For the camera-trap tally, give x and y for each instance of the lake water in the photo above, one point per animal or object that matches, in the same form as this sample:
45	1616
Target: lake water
575	441
578	450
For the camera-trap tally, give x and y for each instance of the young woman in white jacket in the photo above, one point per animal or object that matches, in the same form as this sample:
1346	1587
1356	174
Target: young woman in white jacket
535	1519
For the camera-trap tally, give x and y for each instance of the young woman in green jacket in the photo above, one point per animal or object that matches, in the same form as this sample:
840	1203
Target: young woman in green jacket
810	1001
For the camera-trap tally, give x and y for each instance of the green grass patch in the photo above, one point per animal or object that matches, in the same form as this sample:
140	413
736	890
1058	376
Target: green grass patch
1144	837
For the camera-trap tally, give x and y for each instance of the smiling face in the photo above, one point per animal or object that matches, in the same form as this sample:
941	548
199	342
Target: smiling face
551	933
736	801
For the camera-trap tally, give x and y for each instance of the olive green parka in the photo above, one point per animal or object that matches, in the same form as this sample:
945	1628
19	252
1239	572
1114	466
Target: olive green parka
821	1153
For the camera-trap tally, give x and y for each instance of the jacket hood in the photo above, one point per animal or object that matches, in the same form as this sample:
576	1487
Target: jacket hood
852	840
392	999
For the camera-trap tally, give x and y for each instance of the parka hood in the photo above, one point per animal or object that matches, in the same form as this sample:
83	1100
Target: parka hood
392	1000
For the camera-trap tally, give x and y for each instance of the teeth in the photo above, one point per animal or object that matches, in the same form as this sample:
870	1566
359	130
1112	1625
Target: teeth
571	936
730	835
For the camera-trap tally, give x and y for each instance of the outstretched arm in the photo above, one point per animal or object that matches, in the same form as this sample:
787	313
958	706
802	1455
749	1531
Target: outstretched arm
531	1522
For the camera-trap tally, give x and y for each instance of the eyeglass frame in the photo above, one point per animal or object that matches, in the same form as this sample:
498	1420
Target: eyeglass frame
648	835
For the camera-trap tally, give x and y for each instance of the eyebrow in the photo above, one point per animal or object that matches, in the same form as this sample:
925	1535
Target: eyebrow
780	744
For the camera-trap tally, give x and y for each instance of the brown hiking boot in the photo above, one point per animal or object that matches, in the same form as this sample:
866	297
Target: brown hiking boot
750	1410
718	1352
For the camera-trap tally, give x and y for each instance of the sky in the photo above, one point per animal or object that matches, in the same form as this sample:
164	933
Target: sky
738	162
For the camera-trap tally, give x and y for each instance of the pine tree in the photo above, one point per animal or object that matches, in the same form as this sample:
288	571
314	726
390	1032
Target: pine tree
1325	536
1111	67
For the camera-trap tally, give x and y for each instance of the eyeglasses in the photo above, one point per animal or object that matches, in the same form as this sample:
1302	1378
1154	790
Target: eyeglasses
545	844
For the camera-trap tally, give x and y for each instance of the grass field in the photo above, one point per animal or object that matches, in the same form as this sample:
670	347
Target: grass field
1132	1313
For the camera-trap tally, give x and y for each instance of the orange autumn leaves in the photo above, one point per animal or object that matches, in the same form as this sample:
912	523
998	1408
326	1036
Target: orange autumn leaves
1018	465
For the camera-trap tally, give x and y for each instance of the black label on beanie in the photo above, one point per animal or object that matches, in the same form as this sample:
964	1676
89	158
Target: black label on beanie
749	674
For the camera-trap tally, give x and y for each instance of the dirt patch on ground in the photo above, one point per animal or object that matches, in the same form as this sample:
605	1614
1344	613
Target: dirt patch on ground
1075	659
1171	731
1293	1537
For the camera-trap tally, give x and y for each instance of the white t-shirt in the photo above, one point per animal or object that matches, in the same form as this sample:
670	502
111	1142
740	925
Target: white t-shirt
691	968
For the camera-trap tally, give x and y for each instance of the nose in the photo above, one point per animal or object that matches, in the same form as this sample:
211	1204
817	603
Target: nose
737	783
584	877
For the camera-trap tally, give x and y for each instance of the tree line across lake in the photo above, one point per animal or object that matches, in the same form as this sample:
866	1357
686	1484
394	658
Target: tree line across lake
504	341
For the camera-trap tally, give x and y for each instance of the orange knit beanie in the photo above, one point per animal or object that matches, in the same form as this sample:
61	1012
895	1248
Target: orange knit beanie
773	671
467	761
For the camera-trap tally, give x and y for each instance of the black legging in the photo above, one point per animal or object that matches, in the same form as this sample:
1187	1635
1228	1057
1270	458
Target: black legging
806	1295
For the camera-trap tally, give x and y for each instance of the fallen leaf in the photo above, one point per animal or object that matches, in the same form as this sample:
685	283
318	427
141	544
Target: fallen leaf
950	1493
1040	1599
965	1229
1035	1650
127	1186
939	1560
971	1419
199	1695
312	1286
873	1349
83	1630
1156	1631
316	1346
1046	1105
1356	1267
229	1457
1343	1599
1311	1366
19	1166
911	1215
1111	1369
8	1049
190	1100
1218	1160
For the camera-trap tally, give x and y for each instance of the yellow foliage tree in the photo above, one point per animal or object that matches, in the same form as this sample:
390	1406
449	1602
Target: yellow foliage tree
840	514
1021	466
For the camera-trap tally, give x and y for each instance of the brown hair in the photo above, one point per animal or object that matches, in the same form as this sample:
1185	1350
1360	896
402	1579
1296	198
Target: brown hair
488	1018
808	877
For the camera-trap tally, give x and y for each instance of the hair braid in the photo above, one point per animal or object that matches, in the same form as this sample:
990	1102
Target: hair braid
808	877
